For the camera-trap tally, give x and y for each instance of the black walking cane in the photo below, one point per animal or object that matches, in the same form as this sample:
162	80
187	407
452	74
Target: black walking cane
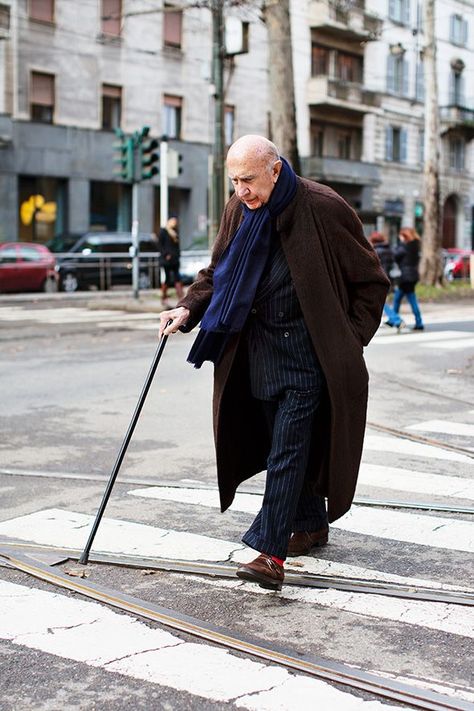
84	559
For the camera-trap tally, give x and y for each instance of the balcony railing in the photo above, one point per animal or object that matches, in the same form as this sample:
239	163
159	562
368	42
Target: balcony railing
342	94
339	170
458	118
346	19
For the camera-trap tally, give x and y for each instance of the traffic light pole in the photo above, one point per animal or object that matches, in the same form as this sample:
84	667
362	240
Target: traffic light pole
163	181
135	243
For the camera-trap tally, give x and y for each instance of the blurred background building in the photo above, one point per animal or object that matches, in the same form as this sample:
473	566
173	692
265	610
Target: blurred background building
72	72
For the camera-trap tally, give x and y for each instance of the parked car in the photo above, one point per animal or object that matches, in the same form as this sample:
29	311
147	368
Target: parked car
191	262
26	266
103	260
457	264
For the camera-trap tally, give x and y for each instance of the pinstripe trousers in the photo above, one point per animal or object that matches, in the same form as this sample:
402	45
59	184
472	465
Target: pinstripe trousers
289	504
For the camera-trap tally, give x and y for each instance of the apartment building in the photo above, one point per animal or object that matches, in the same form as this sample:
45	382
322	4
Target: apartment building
70	73
360	95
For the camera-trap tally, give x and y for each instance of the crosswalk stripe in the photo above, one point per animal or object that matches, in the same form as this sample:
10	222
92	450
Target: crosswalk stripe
401	479
454	428
55	527
424	530
431	615
126	646
398	445
451	345
406	338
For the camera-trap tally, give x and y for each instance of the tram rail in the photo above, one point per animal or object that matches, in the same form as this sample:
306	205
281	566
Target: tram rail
324	669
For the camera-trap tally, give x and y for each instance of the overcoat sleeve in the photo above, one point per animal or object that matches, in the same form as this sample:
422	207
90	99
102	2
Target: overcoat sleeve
366	282
199	293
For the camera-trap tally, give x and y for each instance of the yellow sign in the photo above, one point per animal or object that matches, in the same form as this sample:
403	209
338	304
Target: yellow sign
37	208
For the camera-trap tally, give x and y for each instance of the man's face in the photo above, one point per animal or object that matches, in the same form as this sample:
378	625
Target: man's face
253	179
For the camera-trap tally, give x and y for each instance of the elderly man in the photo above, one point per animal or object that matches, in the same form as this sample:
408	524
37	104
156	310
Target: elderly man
293	293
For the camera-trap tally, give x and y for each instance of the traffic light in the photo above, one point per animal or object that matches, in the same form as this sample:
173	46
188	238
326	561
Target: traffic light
123	155
149	155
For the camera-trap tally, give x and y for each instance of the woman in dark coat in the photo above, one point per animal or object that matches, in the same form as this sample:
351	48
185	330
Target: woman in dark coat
169	259
407	256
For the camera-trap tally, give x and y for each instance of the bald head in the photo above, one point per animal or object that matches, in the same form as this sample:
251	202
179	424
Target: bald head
257	146
253	164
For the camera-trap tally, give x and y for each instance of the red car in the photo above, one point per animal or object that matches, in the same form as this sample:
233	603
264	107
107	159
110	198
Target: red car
25	266
457	264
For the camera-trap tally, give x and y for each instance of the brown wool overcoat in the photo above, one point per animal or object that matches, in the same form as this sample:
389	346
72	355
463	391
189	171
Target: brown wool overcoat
341	288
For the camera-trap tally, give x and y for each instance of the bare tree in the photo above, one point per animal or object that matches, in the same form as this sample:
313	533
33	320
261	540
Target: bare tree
431	267
276	15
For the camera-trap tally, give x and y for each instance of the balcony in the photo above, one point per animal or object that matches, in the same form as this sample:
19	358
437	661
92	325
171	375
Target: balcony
341	96
338	170
337	20
459	119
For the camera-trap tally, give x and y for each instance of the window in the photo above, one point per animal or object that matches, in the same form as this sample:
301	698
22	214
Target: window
396	144
348	67
111	19
4	19
172	26
399	11
172	106
456	87
318	141
111	106
42	97
456	153
229	123
421	146
319	60
420	80
458	29
41	10
397	73
344	145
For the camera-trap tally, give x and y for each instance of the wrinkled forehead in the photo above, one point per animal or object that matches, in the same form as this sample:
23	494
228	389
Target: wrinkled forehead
245	165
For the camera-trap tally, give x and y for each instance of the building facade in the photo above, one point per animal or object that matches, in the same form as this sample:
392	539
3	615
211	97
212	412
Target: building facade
71	73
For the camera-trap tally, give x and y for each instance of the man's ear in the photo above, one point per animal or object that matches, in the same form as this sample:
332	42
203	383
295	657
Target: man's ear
276	170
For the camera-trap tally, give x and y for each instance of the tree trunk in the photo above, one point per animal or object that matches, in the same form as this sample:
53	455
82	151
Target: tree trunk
276	14
431	267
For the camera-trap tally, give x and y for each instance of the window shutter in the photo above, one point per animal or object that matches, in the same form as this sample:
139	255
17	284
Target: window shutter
389	143
452	88
390	73
462	91
42	89
42	10
406	12
465	30
391	9
172	27
403	145
452	28
406	78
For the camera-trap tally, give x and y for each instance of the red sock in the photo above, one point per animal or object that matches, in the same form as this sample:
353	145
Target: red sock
277	560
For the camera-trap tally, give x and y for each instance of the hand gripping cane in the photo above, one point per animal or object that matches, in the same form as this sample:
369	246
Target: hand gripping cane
84	559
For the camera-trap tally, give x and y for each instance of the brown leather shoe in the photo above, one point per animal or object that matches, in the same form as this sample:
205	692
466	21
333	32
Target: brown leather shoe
302	542
264	571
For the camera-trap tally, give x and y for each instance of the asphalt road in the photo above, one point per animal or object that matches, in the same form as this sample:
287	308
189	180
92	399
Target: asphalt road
70	378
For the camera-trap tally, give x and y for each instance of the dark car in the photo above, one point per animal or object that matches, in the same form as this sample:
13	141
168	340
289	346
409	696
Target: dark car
103	260
64	242
26	266
457	264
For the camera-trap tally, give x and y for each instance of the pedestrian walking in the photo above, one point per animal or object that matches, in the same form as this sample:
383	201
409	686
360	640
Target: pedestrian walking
385	253
407	256
170	259
293	293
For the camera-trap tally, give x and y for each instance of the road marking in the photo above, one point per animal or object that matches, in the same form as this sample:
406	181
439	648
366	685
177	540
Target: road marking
454	428
76	315
424	530
126	646
440	616
398	445
452	345
405	338
400	479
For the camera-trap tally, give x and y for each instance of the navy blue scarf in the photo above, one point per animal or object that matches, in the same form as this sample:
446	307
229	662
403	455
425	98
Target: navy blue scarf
238	272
